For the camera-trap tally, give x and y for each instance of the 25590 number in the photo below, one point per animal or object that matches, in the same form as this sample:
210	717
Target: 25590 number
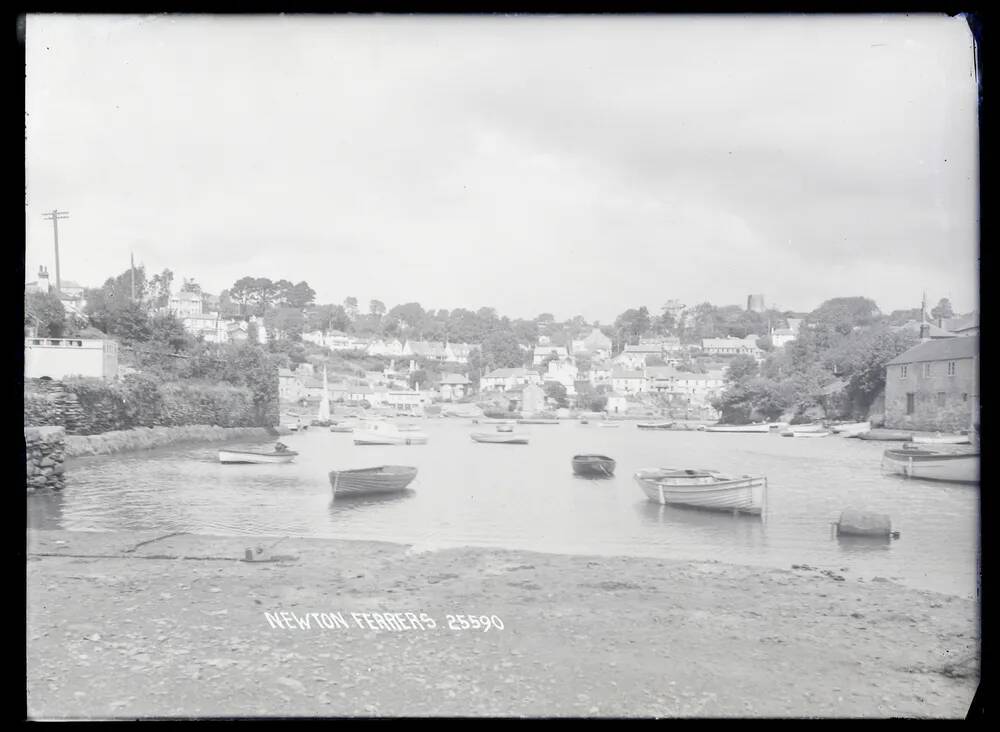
474	622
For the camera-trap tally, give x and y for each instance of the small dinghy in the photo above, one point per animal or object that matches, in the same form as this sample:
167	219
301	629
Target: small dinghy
952	467
939	439
385	433
608	424
599	465
765	428
654	425
538	421
886	435
281	454
704	489
500	438
372	481
342	428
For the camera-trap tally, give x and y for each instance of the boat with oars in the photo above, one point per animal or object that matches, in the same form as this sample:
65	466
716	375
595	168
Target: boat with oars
371	481
700	488
500	438
280	454
951	467
594	465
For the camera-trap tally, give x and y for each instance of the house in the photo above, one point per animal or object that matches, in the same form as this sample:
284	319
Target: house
405	400
963	325
505	379
633	358
934	386
563	371
628	382
290	389
392	348
730	346
458	352
454	386
184	304
696	388
617	403
925	330
532	399
432	350
236	330
596	344
544	352
206	325
600	372
58	358
782	336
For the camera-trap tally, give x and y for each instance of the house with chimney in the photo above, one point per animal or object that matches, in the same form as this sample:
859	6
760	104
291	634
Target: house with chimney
934	385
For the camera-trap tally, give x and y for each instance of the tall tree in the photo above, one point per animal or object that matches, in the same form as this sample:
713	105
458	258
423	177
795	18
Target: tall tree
376	307
300	295
943	309
501	350
351	307
242	291
160	288
45	312
190	286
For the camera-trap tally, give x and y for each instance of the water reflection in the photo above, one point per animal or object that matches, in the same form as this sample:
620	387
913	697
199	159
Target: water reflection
45	510
349	502
705	525
855	545
592	477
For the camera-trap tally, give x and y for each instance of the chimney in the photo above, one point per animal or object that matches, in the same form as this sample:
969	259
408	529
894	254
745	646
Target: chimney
43	279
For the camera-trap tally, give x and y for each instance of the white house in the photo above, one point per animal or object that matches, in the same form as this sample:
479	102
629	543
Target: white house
698	388
596	344
58	358
458	352
617	403
184	304
730	346
504	379
600	372
392	348
628	382
290	388
544	352
563	371
454	386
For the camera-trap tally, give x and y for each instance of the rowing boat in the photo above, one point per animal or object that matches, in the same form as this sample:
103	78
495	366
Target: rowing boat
886	435
738	428
933	464
368	481
939	439
708	489
654	425
600	465
538	421
251	456
850	428
500	438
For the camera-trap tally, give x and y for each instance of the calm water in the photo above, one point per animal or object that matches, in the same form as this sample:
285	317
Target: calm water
526	496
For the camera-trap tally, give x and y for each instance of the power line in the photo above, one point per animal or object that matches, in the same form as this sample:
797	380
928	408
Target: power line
54	216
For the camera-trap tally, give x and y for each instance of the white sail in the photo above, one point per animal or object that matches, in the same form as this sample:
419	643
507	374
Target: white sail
324	402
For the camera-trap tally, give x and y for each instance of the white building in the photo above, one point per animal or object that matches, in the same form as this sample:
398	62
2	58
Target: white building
184	304
697	388
544	352
504	379
563	371
59	358
628	382
730	346
392	348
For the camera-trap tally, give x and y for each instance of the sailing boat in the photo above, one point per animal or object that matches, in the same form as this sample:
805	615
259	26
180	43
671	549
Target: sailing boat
323	418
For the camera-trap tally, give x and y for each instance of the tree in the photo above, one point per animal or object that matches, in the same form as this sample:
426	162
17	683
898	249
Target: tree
943	309
632	324
285	322
45	311
299	295
351	307
166	330
325	318
377	308
189	285
583	363
160	288
740	368
411	314
417	378
501	350
557	392
242	291
843	314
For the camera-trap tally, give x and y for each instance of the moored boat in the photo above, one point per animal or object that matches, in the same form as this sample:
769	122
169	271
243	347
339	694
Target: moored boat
369	481
939	439
848	429
788	433
500	438
708	489
886	435
805	430
505	428
600	465
608	424
655	425
255	457
538	421
755	428
384	433
953	467
341	428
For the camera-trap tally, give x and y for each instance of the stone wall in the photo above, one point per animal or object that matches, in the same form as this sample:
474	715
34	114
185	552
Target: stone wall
145	438
45	450
941	401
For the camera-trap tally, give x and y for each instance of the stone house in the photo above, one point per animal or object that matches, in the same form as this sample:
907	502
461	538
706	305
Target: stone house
934	386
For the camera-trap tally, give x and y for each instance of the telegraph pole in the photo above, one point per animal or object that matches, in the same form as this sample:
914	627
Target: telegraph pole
54	217
132	267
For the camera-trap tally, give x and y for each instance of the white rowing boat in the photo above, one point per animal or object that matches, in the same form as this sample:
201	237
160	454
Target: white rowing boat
755	428
500	438
253	457
933	465
704	489
385	433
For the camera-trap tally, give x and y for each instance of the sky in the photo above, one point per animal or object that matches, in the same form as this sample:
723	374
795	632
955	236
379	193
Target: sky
568	165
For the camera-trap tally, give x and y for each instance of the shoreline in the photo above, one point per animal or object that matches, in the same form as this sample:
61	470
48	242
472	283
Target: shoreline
174	625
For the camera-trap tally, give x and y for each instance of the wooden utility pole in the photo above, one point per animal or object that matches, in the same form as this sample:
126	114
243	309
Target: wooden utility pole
132	263
54	217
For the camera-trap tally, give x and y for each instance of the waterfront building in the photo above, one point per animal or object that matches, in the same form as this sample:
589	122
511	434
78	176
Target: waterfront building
59	358
532	399
510	378
617	403
697	388
628	382
563	371
934	386
730	346
454	386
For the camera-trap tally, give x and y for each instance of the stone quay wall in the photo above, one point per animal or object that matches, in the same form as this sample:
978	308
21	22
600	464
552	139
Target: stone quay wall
45	451
145	438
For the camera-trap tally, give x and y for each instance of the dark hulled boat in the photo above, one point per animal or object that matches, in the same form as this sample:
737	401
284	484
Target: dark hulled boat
600	465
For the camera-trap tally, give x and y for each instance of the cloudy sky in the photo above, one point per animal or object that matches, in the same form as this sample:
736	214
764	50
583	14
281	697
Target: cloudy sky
565	165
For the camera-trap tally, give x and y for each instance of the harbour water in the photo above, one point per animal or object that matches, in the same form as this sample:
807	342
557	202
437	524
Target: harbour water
527	497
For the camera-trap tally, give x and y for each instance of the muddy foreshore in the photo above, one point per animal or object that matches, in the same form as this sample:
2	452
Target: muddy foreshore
130	625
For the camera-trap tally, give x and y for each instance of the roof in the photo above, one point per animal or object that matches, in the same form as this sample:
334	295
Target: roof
944	349
932	330
620	374
454	379
962	322
504	373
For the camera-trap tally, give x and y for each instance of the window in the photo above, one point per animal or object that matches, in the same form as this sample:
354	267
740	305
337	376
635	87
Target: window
951	368
927	369
909	402
939	399
965	397
902	371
